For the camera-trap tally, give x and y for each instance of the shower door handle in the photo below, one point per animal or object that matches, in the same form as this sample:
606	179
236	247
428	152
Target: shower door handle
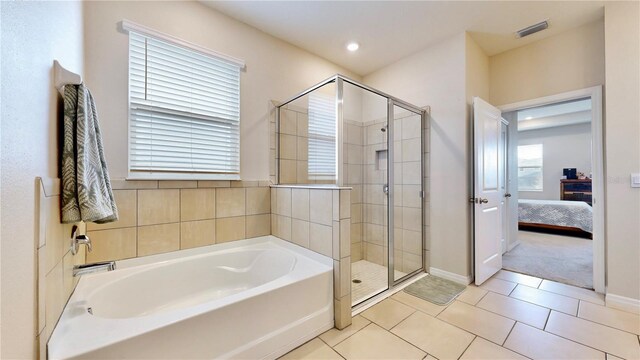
385	189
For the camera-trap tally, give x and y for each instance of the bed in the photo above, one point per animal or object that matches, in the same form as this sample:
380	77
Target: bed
573	218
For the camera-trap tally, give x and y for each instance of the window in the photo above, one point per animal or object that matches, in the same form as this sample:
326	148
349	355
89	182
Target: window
322	137
184	111
530	167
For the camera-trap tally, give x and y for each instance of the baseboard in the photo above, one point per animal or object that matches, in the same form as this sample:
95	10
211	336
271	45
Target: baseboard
510	247
623	303
461	279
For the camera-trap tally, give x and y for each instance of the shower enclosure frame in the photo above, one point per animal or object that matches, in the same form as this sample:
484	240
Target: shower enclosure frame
392	101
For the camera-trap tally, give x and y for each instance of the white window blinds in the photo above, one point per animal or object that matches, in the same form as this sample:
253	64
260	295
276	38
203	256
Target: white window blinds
184	109
530	167
322	137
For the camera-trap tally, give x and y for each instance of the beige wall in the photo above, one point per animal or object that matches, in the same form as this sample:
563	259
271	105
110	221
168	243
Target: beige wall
622	39
575	60
436	77
569	61
562	147
275	70
33	35
477	84
477	72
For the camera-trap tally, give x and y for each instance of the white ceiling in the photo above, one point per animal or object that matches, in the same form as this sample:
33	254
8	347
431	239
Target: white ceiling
562	108
554	115
390	30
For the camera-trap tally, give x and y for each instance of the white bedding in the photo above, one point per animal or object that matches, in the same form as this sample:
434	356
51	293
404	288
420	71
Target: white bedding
576	214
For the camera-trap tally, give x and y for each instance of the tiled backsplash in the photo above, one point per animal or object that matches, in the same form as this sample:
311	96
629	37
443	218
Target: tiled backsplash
319	219
55	262
163	216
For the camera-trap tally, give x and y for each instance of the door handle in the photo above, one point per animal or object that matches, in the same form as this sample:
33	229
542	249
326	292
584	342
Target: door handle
507	195
478	200
385	189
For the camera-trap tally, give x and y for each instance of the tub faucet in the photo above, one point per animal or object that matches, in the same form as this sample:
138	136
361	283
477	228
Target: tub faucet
77	239
92	268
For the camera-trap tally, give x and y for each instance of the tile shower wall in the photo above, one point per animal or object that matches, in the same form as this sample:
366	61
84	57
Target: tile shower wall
163	216
55	262
294	124
364	166
294	140
407	203
374	204
319	219
353	165
294	147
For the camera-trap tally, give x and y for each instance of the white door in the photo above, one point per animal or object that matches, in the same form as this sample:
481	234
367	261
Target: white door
487	193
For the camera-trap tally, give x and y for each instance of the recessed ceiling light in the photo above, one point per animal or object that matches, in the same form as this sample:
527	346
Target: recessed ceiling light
353	46
528	118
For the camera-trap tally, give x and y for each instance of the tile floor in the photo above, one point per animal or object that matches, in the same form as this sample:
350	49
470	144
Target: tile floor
373	280
512	316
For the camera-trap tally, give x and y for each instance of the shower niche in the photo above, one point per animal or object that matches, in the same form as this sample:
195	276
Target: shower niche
343	133
381	159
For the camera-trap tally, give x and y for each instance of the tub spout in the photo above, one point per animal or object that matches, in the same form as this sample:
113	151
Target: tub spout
92	268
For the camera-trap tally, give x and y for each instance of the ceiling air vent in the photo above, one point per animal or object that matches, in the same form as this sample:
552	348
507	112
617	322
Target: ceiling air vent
532	29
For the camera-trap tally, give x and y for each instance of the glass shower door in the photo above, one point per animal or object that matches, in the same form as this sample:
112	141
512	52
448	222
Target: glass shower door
408	193
365	164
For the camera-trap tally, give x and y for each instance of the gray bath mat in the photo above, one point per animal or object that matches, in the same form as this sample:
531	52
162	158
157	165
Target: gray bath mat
434	289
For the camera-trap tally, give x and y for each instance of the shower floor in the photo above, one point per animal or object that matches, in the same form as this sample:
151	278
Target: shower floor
373	280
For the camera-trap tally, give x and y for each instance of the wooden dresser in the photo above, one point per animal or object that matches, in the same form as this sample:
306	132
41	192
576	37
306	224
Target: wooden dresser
576	190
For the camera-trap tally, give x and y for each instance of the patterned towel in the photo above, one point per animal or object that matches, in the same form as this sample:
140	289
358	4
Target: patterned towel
86	189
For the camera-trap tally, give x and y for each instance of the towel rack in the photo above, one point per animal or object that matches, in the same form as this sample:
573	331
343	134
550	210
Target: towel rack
62	77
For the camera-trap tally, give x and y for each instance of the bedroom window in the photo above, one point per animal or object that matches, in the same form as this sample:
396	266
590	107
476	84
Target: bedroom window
322	137
530	167
184	111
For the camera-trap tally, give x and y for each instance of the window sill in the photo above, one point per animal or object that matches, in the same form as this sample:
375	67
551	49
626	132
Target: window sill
186	176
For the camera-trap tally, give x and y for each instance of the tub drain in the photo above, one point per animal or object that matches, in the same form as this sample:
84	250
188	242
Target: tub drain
356	281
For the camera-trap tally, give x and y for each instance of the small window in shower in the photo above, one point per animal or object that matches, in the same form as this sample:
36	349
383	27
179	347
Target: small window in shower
322	137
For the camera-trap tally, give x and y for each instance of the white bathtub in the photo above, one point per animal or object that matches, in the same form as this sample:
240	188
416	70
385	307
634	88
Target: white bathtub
250	299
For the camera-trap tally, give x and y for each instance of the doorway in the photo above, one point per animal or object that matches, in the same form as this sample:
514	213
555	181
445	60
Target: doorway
554	193
555	211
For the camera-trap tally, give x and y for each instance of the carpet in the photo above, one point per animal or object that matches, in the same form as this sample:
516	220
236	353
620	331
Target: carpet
559	258
435	289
